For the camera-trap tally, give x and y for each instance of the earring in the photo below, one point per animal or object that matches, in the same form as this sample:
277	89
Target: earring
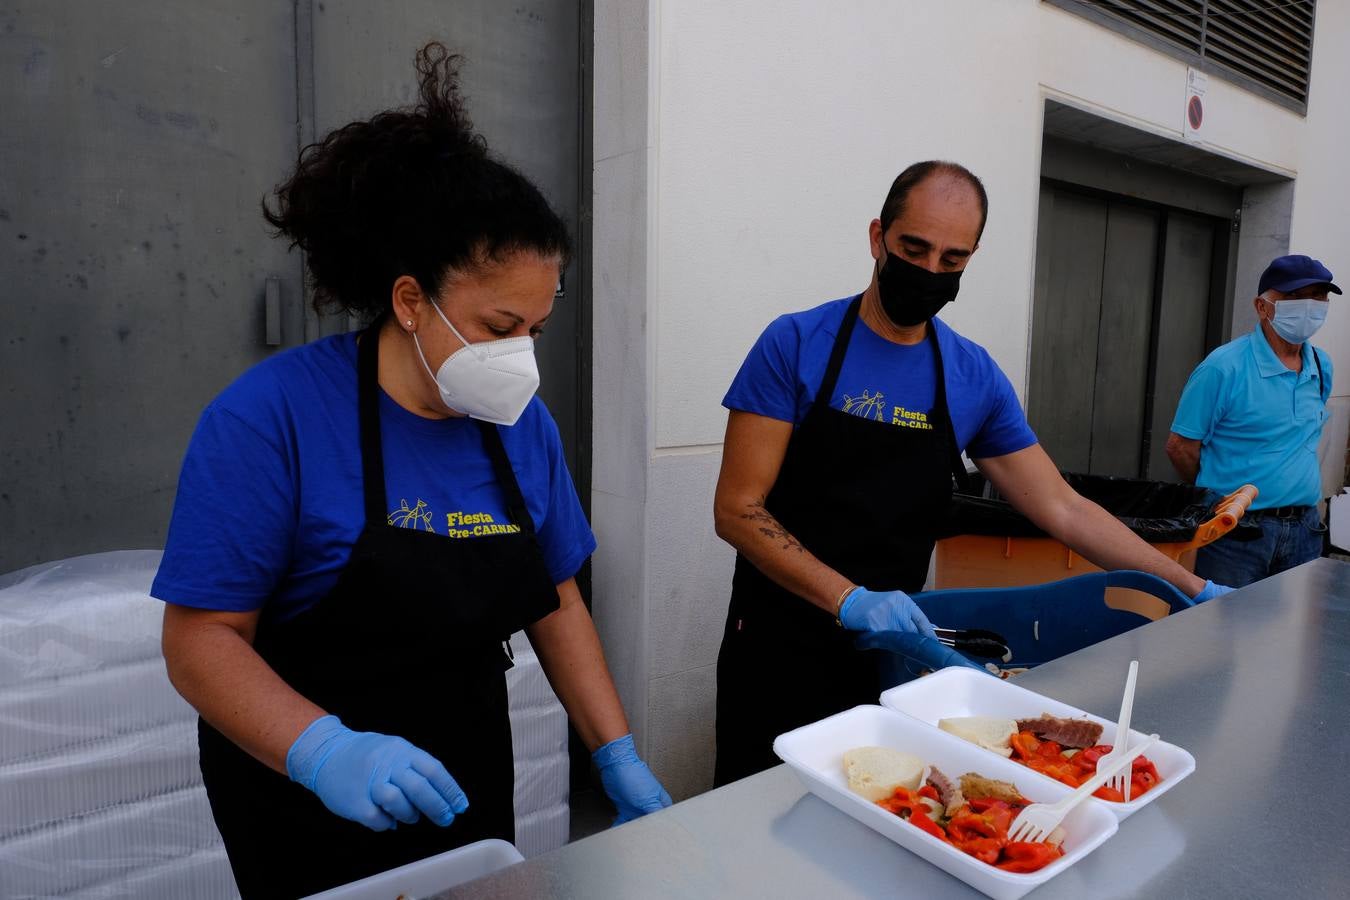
410	323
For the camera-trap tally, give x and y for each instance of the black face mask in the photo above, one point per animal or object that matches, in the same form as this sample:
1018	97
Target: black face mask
911	294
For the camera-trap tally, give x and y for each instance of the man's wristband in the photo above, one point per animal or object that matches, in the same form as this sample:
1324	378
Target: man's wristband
839	604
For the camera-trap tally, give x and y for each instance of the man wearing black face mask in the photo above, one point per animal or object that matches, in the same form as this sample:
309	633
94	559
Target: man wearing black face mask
846	427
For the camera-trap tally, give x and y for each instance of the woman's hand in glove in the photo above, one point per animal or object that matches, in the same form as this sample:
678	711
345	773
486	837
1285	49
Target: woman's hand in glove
627	780
375	779
869	611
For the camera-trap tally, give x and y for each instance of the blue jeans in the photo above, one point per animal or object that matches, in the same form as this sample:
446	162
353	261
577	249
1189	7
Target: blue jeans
1284	543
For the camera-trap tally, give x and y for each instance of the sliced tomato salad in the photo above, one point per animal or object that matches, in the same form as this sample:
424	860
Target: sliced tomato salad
978	827
1049	758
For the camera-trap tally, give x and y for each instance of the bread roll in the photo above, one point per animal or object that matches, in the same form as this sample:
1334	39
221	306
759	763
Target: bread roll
986	731
875	772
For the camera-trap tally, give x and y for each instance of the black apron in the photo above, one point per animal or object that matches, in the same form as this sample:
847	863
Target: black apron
866	498
409	642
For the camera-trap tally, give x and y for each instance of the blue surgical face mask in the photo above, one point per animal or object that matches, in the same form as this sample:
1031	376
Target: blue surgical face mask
1298	319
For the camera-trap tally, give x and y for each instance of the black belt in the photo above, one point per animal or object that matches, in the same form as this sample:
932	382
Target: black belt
1283	512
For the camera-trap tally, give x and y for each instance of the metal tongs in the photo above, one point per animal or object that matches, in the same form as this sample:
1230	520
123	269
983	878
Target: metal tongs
975	642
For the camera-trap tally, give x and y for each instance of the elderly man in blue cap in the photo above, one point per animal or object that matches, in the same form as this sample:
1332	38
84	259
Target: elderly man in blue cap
1252	412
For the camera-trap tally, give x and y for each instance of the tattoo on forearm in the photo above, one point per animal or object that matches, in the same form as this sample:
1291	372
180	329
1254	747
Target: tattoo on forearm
770	527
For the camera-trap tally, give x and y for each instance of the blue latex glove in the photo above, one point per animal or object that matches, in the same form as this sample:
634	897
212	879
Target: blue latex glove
864	610
1212	590
627	780
928	652
375	779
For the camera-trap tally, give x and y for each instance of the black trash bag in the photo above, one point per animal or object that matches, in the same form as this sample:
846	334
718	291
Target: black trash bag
1159	512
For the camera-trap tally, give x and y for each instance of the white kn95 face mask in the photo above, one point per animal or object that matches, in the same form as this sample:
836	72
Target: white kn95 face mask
491	380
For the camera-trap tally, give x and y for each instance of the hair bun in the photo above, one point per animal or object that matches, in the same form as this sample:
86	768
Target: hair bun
411	191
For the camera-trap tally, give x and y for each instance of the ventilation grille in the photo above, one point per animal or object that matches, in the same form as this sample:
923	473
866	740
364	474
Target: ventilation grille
1262	45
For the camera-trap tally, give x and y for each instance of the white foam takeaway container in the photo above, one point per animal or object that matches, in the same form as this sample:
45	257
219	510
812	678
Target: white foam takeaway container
816	753
431	875
952	693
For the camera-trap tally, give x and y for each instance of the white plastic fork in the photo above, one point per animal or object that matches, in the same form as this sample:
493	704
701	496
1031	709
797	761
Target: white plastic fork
1036	822
1122	781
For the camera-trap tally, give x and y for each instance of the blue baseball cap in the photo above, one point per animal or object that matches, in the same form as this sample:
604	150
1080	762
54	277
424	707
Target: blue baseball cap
1289	273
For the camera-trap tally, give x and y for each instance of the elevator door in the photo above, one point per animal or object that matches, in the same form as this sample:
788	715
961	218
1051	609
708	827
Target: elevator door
1121	316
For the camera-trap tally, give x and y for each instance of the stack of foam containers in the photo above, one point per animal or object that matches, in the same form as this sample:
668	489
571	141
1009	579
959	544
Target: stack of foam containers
100	793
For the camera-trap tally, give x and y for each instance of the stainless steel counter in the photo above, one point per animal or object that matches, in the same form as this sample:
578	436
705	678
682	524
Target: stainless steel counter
1256	685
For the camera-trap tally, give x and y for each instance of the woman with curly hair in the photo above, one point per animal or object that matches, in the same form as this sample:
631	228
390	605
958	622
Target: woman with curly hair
362	521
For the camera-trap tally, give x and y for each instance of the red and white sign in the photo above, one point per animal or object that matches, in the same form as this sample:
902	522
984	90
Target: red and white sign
1193	119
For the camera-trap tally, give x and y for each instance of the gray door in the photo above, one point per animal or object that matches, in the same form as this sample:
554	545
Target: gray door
1066	311
1121	313
1183	320
139	138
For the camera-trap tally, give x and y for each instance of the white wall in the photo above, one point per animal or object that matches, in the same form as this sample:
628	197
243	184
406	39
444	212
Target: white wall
770	135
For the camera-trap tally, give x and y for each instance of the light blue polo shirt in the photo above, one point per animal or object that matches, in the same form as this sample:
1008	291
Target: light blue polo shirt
1257	421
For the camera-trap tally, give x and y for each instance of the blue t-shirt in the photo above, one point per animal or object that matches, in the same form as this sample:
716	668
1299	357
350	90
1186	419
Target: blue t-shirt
270	503
1257	421
881	380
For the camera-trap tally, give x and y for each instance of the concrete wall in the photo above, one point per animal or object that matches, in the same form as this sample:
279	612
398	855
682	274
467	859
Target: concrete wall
621	279
741	149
